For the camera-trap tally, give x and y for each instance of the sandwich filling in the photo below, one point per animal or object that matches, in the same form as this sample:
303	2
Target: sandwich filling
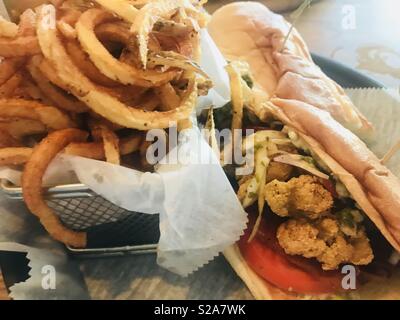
304	223
320	219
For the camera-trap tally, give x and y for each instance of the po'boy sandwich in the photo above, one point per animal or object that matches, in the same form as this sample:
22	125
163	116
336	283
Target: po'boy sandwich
324	213
320	205
250	32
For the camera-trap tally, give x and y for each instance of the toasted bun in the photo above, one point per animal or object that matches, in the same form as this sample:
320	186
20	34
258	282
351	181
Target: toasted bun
249	31
259	288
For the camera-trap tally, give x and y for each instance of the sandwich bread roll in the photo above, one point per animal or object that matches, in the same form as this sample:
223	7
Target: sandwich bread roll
250	32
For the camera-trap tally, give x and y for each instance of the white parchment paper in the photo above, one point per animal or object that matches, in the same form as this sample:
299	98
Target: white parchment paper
214	63
66	282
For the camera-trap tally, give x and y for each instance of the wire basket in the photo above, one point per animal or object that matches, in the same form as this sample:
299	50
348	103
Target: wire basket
111	230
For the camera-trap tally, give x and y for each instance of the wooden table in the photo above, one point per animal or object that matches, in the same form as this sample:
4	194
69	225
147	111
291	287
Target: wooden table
369	42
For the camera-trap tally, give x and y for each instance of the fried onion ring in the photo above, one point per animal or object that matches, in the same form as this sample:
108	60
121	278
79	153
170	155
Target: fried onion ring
66	24
113	31
7	140
14	156
29	90
147	18
122	8
120	92
99	101
67	30
57	96
82	61
19	47
70	16
106	63
8	89
111	145
27	24
8	67
150	101
173	59
172	28
8	29
22	127
168	96
51	117
50	73
95	150
32	177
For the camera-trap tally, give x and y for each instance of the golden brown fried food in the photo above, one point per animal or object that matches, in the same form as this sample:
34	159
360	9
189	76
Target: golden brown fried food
310	196
66	30
95	150
51	117
72	64
27	24
149	102
324	241
278	171
99	101
60	98
19	47
82	61
32	177
299	196
143	158
111	145
19	128
14	156
113	31
8	67
168	96
328	228
7	140
278	196
243	184
66	23
362	253
145	21
8	89
105	62
298	237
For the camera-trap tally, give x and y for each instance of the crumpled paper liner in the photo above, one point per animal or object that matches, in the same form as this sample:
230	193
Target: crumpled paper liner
3	11
200	214
382	108
67	284
213	63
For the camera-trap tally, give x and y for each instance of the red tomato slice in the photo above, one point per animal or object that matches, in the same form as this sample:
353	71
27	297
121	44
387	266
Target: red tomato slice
289	273
329	185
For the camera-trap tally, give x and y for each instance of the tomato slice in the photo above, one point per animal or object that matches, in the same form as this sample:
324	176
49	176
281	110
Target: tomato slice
330	186
289	273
